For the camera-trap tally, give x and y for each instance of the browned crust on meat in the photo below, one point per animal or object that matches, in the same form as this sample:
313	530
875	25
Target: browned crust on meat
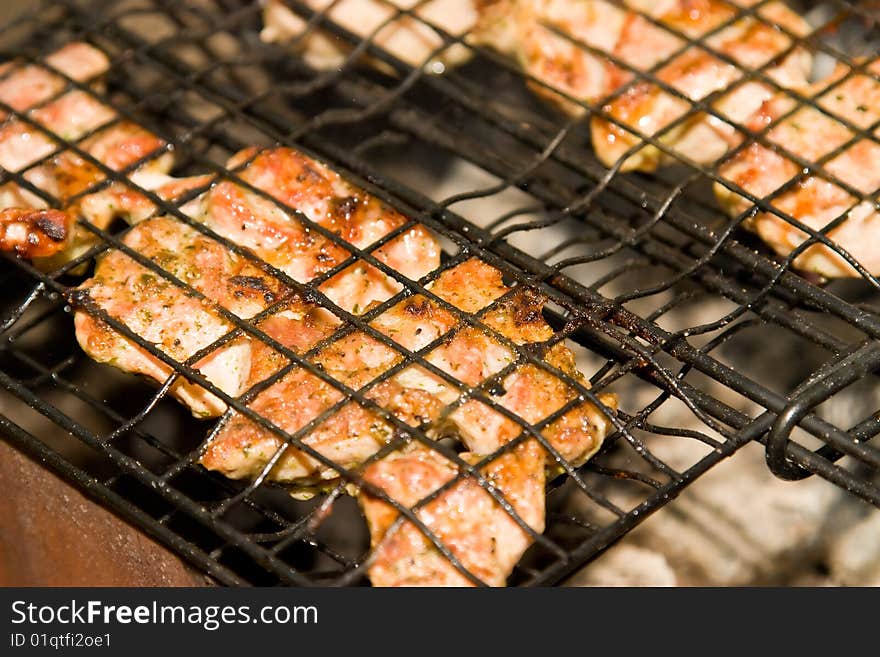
34	233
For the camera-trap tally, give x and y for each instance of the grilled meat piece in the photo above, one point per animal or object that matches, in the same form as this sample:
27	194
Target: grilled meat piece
523	30
812	199
749	43
475	528
67	176
409	38
254	214
166	315
251	216
565	46
532	393
485	538
261	210
414	395
36	90
22	86
352	433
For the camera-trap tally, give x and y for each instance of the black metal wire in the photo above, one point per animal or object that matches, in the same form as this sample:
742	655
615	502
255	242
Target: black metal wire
627	224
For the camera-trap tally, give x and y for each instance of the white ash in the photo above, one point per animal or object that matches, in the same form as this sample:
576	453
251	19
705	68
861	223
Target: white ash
740	525
853	556
627	565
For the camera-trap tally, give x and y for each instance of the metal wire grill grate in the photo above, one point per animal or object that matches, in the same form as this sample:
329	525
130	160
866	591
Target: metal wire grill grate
663	300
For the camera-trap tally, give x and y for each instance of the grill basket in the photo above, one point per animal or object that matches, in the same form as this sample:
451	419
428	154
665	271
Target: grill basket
710	341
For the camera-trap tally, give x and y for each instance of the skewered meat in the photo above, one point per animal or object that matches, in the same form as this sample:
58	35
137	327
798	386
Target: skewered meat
813	200
409	38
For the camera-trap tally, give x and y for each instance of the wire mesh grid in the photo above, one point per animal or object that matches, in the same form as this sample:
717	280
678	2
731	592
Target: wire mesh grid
629	265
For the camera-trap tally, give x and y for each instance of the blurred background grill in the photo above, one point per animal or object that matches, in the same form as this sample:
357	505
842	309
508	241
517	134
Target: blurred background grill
711	342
